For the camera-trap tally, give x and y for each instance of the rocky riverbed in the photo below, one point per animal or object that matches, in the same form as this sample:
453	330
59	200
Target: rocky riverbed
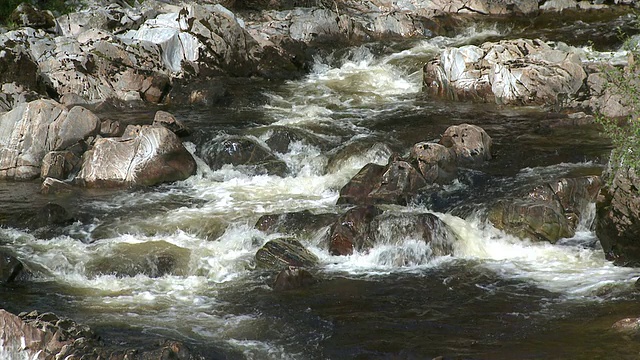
279	179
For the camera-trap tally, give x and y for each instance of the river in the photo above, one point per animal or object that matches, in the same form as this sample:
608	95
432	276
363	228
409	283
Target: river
496	297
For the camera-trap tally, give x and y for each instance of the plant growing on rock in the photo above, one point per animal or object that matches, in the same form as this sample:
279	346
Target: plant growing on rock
624	132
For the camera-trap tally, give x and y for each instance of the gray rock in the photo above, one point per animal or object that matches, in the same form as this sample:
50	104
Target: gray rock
59	165
152	156
163	118
242	151
436	162
518	72
295	223
26	15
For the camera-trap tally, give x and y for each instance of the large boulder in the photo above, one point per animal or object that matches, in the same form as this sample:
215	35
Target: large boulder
31	130
351	231
11	268
436	162
548	212
517	72
618	217
153	155
282	253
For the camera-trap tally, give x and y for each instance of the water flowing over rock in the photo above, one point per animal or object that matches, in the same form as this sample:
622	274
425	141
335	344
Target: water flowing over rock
549	212
363	227
295	223
285	252
239	151
517	72
151	156
618	218
30	131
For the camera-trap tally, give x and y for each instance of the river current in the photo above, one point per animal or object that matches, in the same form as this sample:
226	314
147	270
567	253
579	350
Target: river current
496	297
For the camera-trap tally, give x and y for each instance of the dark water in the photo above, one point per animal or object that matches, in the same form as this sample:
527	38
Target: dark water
497	297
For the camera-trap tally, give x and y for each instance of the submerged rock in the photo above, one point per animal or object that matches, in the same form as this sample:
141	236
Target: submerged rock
292	279
150	156
242	151
285	252
517	72
618	218
152	258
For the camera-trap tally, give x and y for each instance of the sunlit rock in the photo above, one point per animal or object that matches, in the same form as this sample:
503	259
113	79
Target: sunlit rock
242	151
470	143
285	252
437	163
618	217
163	118
26	15
30	131
152	156
518	72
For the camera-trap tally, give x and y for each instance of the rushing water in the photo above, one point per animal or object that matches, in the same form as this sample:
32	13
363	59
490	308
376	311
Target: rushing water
496	297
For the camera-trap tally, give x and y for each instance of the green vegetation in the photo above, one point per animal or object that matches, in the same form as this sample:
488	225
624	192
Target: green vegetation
57	7
624	133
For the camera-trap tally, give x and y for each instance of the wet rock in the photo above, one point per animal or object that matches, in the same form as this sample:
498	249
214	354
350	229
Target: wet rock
51	214
242	151
152	258
517	72
437	163
295	223
357	190
628	326
281	253
55	186
618	218
354	150
152	156
279	138
163	118
292	279
549	212
26	15
351	231
470	143
11	268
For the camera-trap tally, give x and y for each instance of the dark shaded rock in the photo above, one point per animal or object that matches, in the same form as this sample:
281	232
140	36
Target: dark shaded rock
26	15
437	163
163	118
152	258
292	279
281	137
242	151
470	143
351	231
51	214
59	165
150	156
357	190
294	223
11	269
618	218
285	252
354	149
